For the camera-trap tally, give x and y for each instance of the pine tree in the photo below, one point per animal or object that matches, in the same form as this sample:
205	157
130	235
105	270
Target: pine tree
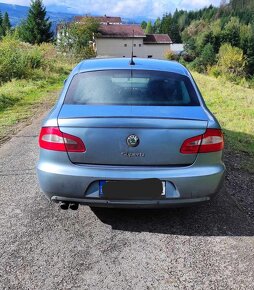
208	56
6	24
157	25
165	23
1	18
250	53
37	28
149	28
1	25
174	33
143	24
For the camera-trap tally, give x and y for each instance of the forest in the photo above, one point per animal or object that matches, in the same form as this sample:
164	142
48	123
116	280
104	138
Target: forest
218	40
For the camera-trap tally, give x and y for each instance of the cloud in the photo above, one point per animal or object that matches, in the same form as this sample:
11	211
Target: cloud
18	2
124	8
196	4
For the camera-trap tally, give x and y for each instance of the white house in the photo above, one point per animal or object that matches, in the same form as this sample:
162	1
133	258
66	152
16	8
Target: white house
117	41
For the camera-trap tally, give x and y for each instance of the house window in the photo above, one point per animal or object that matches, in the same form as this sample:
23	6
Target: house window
125	45
139	45
134	44
149	56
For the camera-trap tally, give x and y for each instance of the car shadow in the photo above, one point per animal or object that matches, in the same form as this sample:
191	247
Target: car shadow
220	217
230	213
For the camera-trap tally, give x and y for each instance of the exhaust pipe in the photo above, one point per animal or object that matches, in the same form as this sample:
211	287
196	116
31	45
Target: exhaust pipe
74	206
64	205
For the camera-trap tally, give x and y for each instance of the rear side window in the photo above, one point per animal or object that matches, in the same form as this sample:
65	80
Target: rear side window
131	87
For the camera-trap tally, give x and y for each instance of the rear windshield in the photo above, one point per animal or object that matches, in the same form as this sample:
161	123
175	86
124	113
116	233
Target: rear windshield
131	87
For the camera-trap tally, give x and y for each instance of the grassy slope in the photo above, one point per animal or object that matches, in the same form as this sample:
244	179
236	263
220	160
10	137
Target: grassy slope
234	108
20	98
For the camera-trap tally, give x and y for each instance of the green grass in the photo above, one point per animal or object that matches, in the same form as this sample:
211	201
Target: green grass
233	106
19	99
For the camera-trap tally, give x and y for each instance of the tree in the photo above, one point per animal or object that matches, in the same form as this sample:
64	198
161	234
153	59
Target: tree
156	26
6	24
190	50
165	23
1	18
250	52
1	27
149	28
242	4
174	30
37	27
208	56
174	33
231	33
183	21
77	37
245	35
143	25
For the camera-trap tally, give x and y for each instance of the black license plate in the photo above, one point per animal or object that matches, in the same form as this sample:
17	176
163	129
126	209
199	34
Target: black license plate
132	189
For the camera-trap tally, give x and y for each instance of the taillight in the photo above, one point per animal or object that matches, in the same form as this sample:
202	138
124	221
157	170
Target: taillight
211	141
51	138
191	145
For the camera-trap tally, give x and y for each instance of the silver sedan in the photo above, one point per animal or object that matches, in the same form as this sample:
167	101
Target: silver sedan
130	134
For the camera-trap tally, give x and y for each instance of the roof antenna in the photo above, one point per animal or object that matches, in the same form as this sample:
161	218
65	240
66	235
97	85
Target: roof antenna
132	61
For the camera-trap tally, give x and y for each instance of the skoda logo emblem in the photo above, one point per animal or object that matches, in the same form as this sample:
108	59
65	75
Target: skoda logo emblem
133	141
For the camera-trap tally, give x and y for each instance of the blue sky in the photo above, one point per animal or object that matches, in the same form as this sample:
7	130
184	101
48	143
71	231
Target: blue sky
124	8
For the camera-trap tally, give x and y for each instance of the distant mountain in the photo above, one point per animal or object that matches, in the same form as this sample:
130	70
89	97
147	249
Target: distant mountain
17	13
56	13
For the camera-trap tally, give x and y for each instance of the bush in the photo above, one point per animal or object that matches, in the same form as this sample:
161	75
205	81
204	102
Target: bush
10	60
21	60
75	39
6	101
197	65
170	55
205	60
187	57
49	54
231	60
85	53
214	71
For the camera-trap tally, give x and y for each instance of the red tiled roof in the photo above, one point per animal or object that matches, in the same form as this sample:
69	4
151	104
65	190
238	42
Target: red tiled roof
125	31
101	19
157	38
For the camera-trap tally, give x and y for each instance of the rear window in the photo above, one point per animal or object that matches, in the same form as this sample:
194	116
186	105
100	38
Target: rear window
131	87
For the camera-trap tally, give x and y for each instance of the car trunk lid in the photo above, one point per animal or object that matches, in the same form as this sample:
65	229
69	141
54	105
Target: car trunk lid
105	129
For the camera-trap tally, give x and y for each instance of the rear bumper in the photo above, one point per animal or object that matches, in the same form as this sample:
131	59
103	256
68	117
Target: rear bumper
133	204
62	180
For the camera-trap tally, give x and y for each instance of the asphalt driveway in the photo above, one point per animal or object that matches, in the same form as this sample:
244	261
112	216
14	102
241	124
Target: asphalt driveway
42	247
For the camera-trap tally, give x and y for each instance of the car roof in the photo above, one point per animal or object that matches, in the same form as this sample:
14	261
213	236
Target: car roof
124	63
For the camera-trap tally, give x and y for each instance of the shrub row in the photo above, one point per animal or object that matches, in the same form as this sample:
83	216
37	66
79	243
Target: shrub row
20	60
